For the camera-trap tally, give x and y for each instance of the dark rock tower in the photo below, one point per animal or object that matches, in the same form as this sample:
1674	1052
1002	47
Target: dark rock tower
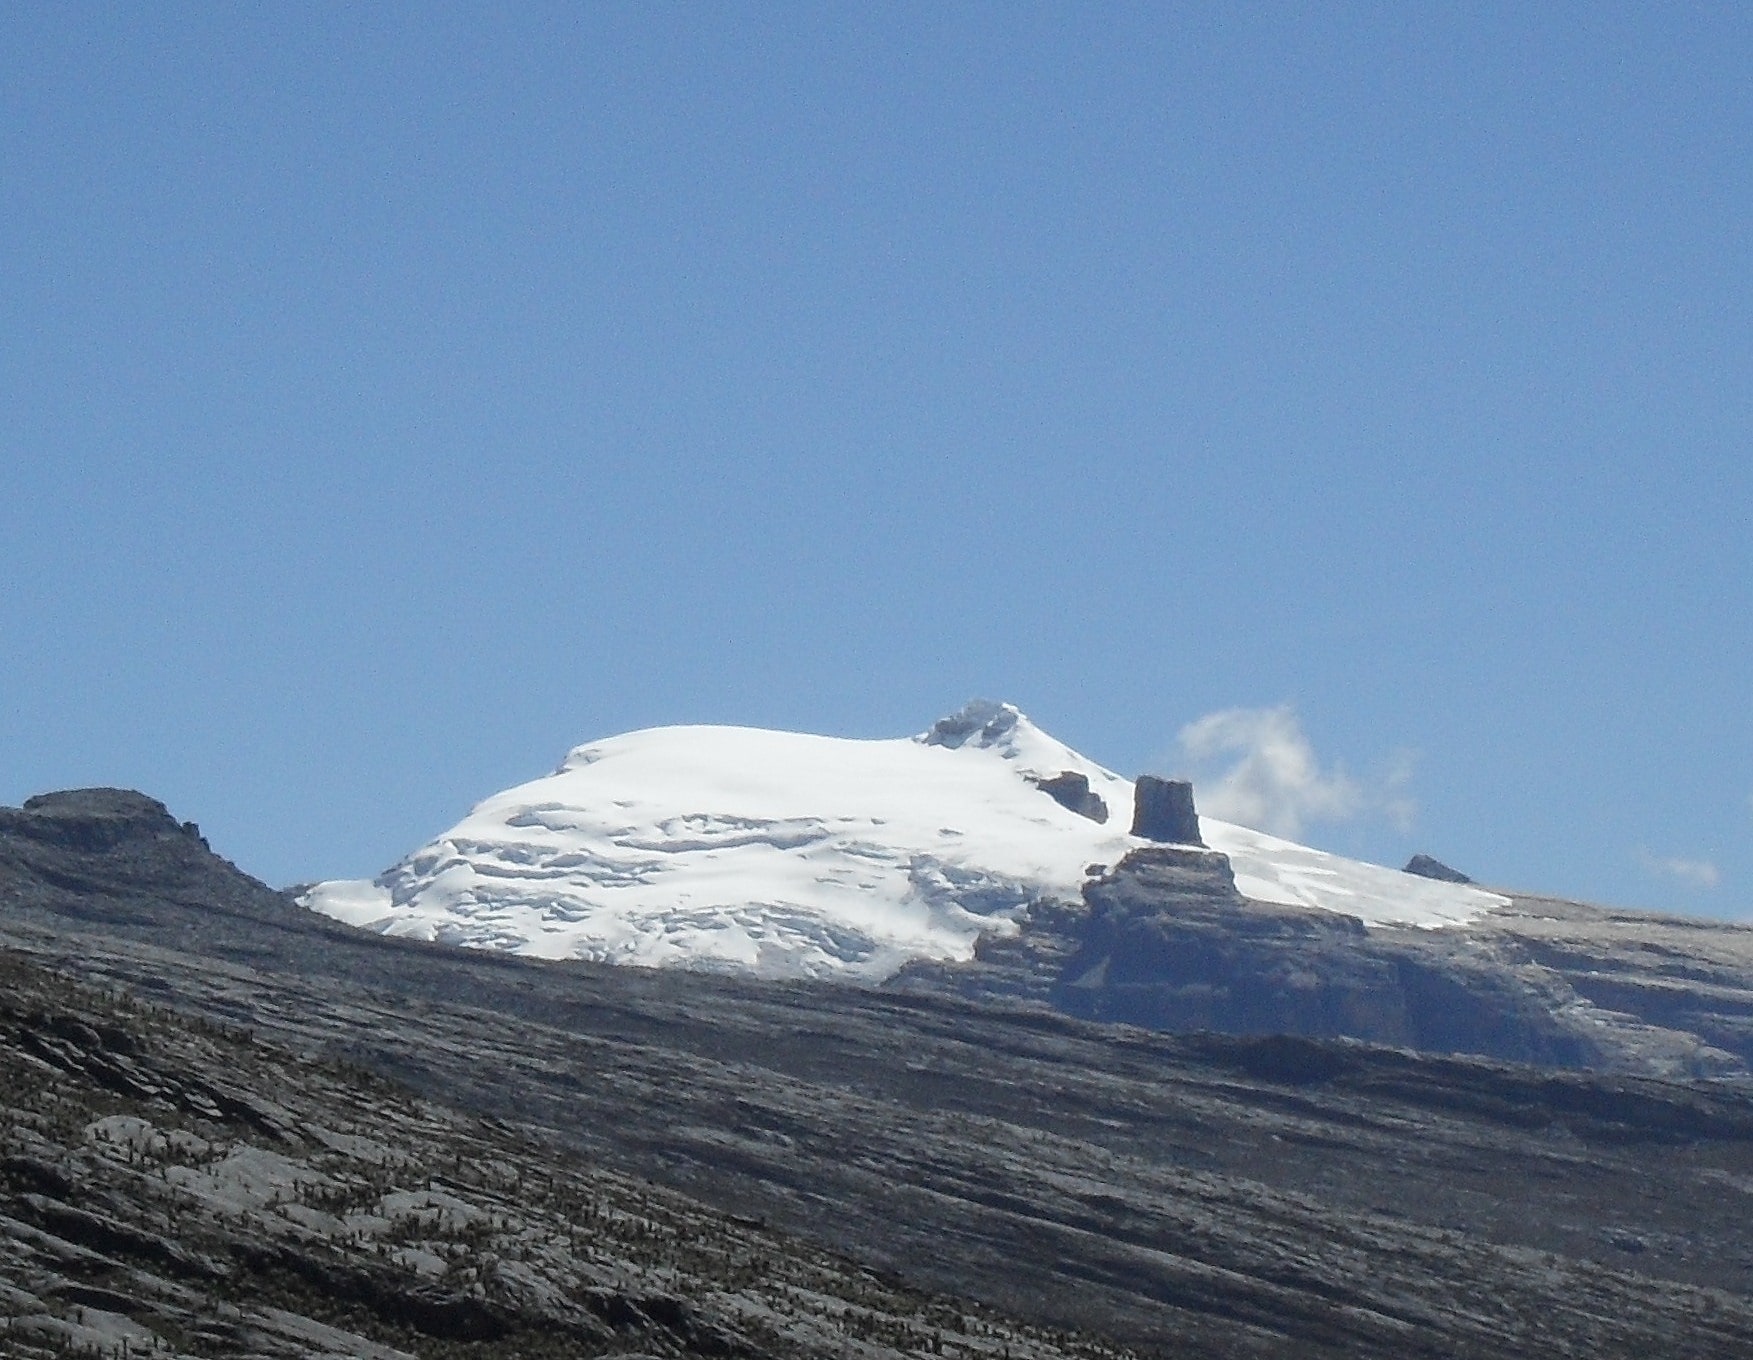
1162	810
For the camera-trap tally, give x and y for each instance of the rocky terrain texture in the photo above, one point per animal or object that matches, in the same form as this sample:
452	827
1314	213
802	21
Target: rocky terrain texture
1164	940
169	1187
1201	1195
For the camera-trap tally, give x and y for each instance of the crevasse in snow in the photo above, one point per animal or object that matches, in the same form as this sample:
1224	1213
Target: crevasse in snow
787	855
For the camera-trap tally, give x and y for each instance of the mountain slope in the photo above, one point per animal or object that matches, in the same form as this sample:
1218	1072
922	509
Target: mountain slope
172	1188
784	855
1197	1196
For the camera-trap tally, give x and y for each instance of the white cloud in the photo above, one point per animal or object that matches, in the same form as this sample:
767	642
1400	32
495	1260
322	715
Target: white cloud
1393	791
1700	873
1256	767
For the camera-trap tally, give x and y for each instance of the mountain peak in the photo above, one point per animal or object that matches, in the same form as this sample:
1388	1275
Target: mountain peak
983	722
788	854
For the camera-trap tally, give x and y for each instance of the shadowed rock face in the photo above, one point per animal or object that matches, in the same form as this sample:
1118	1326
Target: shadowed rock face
1164	940
1426	867
1169	943
1162	810
1073	793
116	858
1206	1195
93	819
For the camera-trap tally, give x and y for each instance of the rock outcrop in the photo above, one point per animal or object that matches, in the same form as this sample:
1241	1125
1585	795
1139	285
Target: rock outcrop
1163	811
1426	867
93	820
1072	792
982	721
1165	940
1169	943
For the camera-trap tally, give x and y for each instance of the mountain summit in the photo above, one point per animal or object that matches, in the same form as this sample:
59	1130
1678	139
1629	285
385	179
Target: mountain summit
783	854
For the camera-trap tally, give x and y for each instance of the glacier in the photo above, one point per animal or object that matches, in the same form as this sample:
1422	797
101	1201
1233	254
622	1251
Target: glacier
782	854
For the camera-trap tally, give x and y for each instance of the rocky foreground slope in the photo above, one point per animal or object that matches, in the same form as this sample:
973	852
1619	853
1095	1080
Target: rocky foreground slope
1188	1195
169	1187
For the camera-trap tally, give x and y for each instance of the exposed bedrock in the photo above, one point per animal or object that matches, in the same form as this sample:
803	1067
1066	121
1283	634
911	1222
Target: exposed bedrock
1072	792
117	858
1169	943
1165	940
1162	810
980	720
1427	867
93	819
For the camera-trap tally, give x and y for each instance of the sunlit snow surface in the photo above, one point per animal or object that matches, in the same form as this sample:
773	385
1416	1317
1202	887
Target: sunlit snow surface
787	855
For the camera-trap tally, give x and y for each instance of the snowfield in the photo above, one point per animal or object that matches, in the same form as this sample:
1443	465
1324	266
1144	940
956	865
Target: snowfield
786	855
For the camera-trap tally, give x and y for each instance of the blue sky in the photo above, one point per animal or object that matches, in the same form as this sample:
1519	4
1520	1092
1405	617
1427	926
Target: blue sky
395	396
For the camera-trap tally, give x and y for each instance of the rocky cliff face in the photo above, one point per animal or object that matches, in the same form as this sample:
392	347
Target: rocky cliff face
1072	792
1164	940
88	820
1170	944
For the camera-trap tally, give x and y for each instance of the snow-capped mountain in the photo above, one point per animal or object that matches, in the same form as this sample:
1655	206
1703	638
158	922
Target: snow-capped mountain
783	854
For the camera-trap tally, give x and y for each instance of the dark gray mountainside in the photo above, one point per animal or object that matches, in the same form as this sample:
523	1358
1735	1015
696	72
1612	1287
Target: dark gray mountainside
1199	1195
168	1186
